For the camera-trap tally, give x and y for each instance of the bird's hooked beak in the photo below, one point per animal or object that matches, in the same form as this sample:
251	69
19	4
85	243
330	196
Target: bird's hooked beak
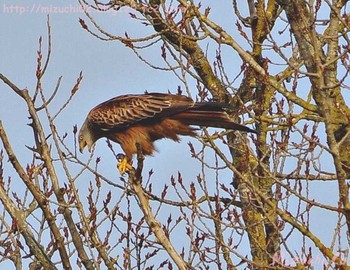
82	146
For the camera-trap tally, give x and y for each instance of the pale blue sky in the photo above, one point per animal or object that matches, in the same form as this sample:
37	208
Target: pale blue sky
109	68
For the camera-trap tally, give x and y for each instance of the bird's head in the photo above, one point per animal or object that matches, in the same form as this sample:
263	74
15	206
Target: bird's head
86	137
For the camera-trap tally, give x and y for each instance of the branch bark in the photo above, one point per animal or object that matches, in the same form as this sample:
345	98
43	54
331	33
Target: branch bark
326	88
135	181
18	216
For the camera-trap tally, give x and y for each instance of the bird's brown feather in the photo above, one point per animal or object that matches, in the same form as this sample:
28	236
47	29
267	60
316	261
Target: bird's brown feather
129	109
146	134
143	119
218	119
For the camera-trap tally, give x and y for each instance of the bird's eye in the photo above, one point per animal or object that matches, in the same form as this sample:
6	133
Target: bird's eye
80	137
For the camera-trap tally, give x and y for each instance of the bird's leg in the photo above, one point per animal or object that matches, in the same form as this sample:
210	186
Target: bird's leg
124	164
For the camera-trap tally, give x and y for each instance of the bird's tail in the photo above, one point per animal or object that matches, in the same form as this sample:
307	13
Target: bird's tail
210	115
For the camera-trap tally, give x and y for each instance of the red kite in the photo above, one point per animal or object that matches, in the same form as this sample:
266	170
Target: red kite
142	119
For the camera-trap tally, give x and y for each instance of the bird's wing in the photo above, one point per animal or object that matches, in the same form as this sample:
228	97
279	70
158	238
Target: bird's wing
126	110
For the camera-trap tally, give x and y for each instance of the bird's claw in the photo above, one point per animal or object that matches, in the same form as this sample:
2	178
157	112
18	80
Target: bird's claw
123	165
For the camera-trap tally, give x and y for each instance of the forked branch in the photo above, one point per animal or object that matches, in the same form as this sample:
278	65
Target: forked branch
135	181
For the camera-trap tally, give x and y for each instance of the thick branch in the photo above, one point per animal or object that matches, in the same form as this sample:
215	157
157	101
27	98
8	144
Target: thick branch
18	218
154	225
287	217
46	156
40	198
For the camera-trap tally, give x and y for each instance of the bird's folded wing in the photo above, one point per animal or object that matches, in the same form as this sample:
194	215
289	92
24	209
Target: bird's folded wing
125	110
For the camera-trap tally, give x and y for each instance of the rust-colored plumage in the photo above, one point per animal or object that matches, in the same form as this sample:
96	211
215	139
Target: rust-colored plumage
143	119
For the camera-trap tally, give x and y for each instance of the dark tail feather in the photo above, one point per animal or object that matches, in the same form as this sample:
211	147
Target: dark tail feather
209	119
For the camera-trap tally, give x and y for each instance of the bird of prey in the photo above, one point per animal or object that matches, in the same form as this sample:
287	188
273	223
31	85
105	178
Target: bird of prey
142	119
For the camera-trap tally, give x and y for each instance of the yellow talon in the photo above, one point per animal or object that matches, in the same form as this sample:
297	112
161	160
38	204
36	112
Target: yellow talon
123	164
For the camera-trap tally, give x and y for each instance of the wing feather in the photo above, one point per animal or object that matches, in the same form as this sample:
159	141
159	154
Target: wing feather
126	110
